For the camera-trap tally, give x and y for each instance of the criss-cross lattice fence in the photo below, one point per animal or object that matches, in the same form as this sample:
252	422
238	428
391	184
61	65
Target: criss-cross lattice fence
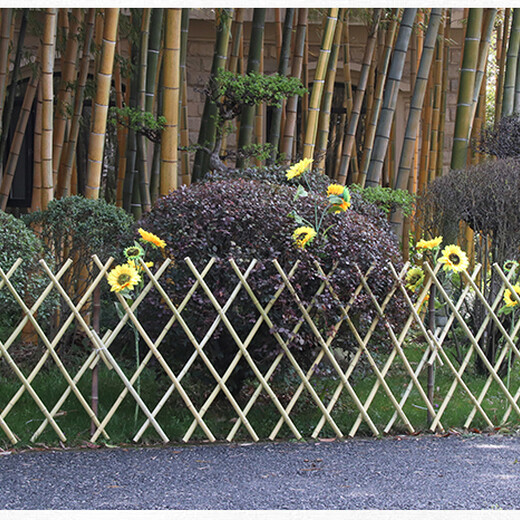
301	373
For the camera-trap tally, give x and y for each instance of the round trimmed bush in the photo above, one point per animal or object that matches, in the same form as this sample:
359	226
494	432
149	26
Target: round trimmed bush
18	241
248	219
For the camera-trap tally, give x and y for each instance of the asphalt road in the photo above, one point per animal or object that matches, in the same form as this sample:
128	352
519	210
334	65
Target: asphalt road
455	472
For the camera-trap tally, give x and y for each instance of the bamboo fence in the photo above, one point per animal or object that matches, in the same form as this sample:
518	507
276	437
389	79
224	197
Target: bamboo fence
377	387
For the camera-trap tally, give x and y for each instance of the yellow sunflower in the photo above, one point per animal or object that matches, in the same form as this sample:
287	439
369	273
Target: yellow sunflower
123	277
304	235
297	169
429	244
454	259
137	266
508	299
134	252
150	237
414	278
335	189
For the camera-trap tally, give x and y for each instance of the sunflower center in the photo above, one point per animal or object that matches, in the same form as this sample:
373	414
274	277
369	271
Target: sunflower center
133	251
454	259
123	278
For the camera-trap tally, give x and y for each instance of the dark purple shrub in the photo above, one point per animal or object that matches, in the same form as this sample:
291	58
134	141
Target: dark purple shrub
246	219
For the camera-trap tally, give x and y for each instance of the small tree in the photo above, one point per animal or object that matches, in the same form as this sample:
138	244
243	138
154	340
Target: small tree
231	93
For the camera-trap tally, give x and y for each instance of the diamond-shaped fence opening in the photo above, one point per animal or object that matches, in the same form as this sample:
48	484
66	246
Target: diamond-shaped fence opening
267	356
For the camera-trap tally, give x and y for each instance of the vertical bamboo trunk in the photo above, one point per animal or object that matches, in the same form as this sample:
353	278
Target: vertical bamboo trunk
16	144
48	46
487	31
122	133
436	109
306	95
68	77
311	128
171	89
104	78
350	136
69	153
384	125
283	67
501	50
444	90
256	44
466	87
424	158
296	71
36	201
142	148
184	120
326	104
511	65
259	137
382	71
5	32
207	124
416	104
15	71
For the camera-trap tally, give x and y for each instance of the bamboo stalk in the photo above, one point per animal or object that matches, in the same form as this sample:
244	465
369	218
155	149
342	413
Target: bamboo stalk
466	87
501	57
16	144
5	32
184	119
296	71
256	45
36	202
384	126
104	78
311	128
416	105
350	135
511	65
382	72
143	171
48	50
171	90
328	94
67	160
283	66
68	76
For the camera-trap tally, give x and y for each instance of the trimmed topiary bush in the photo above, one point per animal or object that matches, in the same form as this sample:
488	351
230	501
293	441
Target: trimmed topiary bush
18	241
246	219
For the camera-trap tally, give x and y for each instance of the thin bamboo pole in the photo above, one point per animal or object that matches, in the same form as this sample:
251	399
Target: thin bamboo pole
311	127
501	57
511	65
382	72
16	144
416	104
384	126
104	78
67	160
68	76
289	133
328	94
36	202
48	50
5	32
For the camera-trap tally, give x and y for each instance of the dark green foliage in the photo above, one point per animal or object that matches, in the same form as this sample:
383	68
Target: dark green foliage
246	219
139	121
502	141
387	199
18	241
80	227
